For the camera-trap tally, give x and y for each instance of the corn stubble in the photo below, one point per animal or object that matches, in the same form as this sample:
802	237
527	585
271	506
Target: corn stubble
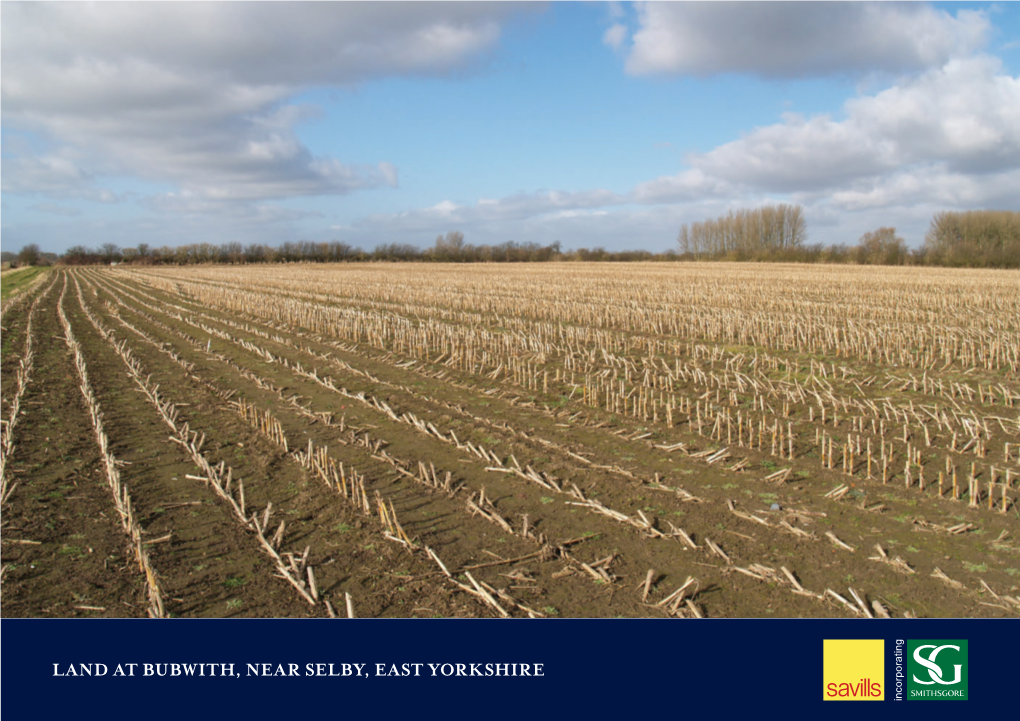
856	392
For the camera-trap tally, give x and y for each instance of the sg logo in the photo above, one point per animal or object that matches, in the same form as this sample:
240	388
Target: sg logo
934	670
937	670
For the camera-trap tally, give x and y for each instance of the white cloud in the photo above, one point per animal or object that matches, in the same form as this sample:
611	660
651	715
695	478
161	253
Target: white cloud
962	116
196	94
528	205
256	44
57	174
445	209
580	214
198	207
935	185
964	113
44	174
54	209
687	185
495	211
801	39
615	35
797	154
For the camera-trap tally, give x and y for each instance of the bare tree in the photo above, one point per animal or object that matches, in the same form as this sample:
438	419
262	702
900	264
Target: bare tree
450	246
110	252
982	229
233	252
29	255
761	231
882	247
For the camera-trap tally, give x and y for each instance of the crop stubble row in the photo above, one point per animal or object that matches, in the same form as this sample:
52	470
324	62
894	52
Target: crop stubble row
602	417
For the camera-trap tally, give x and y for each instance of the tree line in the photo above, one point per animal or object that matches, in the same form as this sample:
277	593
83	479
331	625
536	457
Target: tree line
448	248
981	238
978	238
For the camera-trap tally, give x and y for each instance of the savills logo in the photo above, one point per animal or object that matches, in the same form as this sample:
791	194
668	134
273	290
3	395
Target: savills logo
853	669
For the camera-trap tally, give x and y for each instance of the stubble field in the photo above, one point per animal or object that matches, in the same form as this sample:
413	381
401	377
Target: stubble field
660	440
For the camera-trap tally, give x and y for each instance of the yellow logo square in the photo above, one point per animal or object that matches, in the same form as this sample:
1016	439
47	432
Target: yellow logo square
853	669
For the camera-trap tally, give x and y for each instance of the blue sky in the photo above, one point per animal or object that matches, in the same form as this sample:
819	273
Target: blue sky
594	124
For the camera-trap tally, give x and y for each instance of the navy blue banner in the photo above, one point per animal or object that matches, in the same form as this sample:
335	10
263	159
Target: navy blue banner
496	669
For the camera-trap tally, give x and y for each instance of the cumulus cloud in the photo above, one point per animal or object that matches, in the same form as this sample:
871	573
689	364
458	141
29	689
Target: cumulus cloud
196	94
798	154
964	113
800	39
961	116
934	184
258	44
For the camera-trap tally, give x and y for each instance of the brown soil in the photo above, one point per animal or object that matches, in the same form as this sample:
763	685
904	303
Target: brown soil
211	565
